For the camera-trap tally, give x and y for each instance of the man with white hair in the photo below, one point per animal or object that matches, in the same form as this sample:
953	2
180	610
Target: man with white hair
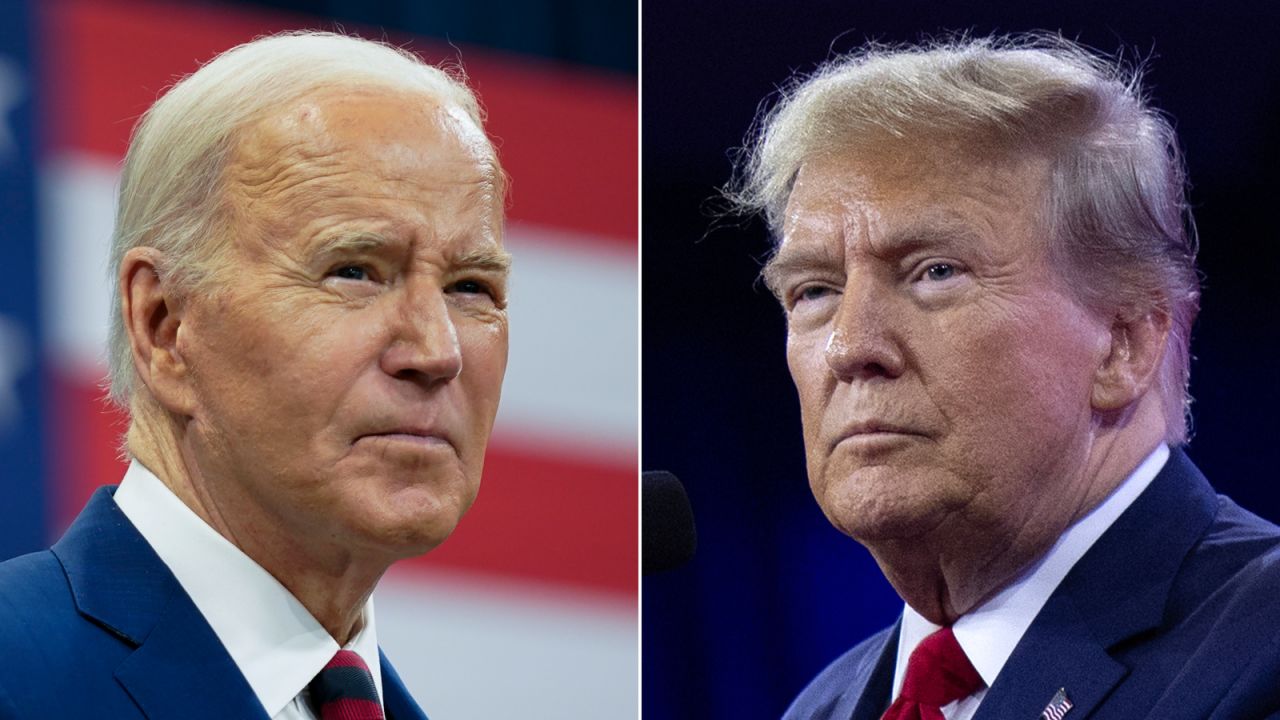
310	336
986	263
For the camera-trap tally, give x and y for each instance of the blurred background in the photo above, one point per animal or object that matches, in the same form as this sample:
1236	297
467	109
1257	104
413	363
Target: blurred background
775	593
529	610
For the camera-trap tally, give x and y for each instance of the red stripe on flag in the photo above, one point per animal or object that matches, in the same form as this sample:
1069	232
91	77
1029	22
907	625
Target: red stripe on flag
568	138
88	431
549	518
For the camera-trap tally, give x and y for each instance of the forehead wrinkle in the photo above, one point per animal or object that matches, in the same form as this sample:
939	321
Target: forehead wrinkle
300	148
276	146
260	194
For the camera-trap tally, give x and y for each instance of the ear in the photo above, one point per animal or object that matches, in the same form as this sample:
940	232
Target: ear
1131	366
152	315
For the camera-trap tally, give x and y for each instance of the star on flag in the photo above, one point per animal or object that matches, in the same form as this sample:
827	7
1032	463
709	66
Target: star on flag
10	95
14	360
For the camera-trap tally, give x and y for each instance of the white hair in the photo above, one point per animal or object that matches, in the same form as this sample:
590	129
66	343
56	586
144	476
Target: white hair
1116	212
171	185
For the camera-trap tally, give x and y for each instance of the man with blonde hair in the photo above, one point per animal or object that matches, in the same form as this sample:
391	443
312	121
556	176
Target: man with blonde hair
310	337
987	267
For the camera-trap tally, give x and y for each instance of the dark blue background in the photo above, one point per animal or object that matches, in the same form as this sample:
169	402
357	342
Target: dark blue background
581	32
774	592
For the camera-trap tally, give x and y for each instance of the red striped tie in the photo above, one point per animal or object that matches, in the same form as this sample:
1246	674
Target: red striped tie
938	673
344	690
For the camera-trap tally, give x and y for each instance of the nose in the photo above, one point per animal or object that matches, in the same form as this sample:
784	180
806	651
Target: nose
864	342
424	346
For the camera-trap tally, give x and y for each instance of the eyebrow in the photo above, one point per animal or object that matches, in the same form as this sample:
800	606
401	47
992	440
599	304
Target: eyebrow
930	233
486	259
789	261
482	259
351	243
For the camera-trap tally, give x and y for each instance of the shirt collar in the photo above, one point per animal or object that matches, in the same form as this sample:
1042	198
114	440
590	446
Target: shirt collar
275	642
989	633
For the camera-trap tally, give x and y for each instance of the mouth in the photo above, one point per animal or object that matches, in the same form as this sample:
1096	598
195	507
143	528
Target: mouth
876	432
419	437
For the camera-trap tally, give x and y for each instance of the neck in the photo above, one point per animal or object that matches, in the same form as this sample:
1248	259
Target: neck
332	583
962	564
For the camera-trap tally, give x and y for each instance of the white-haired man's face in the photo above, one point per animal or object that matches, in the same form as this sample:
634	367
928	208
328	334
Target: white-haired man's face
945	370
345	374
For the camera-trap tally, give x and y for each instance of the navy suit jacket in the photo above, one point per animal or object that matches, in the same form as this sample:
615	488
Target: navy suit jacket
97	627
1173	614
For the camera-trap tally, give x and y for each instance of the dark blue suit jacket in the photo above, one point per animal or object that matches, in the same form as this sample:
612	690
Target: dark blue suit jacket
1173	614
97	627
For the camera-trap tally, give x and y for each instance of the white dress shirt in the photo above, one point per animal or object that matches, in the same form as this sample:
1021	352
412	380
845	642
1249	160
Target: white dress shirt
989	633
275	642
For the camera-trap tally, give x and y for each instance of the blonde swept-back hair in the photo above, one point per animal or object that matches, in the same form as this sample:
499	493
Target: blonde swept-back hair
171	185
1115	208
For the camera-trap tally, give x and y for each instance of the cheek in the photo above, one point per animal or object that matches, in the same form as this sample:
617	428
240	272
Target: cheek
1016	386
1056	356
804	360
266	362
814	385
484	364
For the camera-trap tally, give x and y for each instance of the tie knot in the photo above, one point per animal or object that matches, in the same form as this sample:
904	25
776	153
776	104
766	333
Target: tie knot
939	672
344	690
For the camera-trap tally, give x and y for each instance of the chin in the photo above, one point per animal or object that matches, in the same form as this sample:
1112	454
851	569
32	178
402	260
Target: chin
403	539
879	503
413	521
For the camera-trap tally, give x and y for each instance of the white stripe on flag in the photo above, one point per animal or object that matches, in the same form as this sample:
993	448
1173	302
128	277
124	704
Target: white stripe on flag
572	375
77	209
472	649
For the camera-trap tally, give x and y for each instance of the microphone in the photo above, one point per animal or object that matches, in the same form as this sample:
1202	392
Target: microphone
669	537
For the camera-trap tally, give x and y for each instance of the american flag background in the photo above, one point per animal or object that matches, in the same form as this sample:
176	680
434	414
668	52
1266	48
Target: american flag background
529	610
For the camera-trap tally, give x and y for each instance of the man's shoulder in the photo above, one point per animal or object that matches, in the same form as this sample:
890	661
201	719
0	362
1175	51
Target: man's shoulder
67	659
1182	545
1234	568
1237	557
1239	533
39	624
836	691
1214	652
31	587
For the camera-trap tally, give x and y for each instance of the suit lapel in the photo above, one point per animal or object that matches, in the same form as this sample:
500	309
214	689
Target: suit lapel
1117	590
179	668
395	697
1056	653
875	681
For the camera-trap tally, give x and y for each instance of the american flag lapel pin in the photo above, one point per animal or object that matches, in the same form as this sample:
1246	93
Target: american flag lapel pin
1057	707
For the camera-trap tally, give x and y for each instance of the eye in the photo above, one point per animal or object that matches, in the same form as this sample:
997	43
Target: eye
807	296
813	292
350	272
938	272
479	290
471	287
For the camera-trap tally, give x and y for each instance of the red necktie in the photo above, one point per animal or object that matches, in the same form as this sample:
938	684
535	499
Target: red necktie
344	690
938	673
